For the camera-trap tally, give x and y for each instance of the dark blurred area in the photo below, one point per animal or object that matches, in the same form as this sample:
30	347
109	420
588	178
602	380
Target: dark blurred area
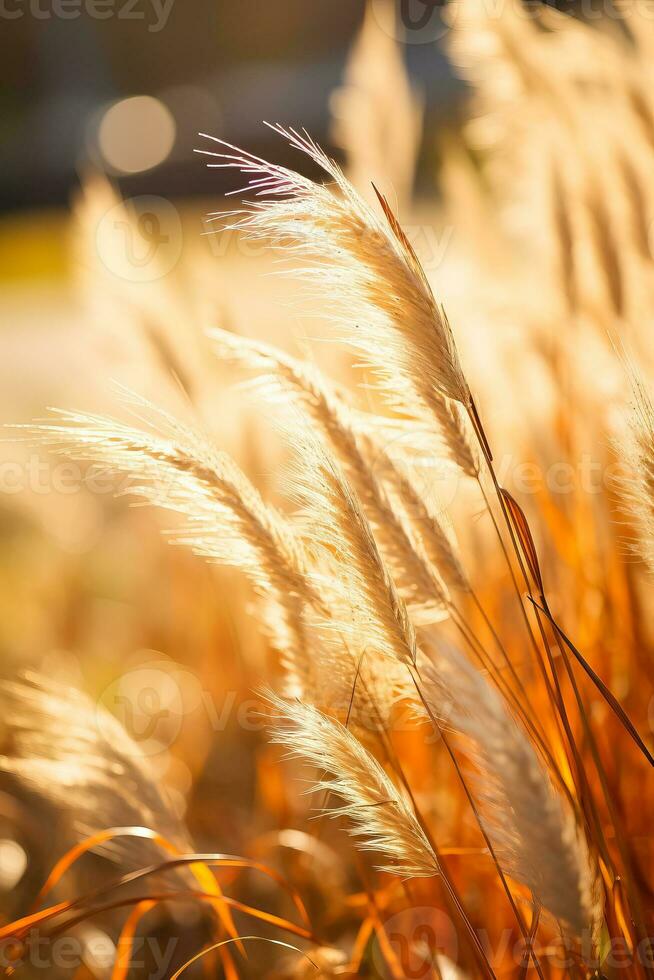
70	65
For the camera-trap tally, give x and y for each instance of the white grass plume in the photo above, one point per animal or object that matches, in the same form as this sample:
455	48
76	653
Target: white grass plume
71	751
225	520
365	691
365	607
377	113
455	436
380	818
531	828
638	453
418	579
439	544
365	264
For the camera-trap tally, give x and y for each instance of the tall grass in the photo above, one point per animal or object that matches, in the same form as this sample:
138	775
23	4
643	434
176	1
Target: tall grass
517	798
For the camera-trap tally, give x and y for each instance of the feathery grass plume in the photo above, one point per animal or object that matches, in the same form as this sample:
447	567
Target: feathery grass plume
225	518
641	106
508	60
564	236
77	755
439	544
366	264
418	580
381	820
638	196
455	436
599	101
377	113
366	692
638	452
372	615
531	828
116	292
606	248
498	55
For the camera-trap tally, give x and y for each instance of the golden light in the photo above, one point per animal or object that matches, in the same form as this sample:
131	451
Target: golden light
13	862
136	134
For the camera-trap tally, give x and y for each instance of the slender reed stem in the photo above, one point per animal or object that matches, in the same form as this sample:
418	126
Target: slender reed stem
477	815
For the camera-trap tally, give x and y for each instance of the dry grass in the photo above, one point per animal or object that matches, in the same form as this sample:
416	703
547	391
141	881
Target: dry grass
476	708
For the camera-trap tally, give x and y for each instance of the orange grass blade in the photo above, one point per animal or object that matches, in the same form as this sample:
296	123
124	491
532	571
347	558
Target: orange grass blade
171	896
76	852
608	696
126	940
395	225
521	527
19	927
387	950
360	943
223	861
200	871
224	942
198	861
231	973
271	919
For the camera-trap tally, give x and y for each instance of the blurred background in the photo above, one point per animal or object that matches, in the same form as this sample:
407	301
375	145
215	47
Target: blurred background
108	274
102	101
206	67
111	271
